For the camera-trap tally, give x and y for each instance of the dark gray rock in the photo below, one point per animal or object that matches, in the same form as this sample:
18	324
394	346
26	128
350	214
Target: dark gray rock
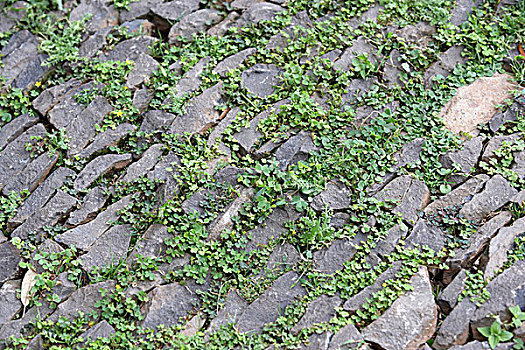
14	157
222	27
130	49
261	79
392	69
519	164
502	119
32	175
57	207
410	321
271	303
260	11
424	234
102	16
94	44
47	247
346	338
41	195
15	128
320	310
411	196
336	197
224	221
233	62
317	341
165	171
296	149
496	142
156	121
37	343
64	287
139	27
455	328
462	10
167	304
9	259
84	236
101	330
139	9
106	139
191	80
200	112
17	328
233	307
448	298
328	260
141	167
369	15
496	194
466	158
108	249
419	33
283	258
173	11
100	166
445	65
142	70
52	96
82	300
9	303
151	244
141	99
359	47
82	129
193	23
387	244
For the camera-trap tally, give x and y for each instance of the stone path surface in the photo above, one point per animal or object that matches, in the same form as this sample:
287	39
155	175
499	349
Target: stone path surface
257	174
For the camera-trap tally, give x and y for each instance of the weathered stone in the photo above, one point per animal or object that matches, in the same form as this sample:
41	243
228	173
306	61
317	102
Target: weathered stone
94	44
192	326
41	195
84	236
173	10
200	112
359	47
101	330
410	321
14	157
336	197
496	194
519	164
393	68
424	234
106	139
17	328
282	259
141	99
317	341
9	259
410	194
418	33
139	27
193	23
346	338
108	249
225	220
477	345
219	130
33	174
296	149
369	15
506	290
475	103
144	66
496	142
164	171
82	300
57	207
50	97
191	80
151	244
271	303
64	287
47	247
462	10
297	29
15	128
82	130
455	328
101	15
9	303
233	307
21	62
130	49
222	27
500	245
466	158
243	4
261	79
156	121
459	196
448	298
445	65
328	260
167	304
320	310
503	118
519	198
100	166
387	244
37	343
260	11
141	167
234	61
139	9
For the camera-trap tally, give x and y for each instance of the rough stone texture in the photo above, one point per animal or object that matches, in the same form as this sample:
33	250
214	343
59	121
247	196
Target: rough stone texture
174	10
335	197
424	234
257	12
144	67
448	298
64	287
84	236
346	338
15	128
465	158
458	196
519	164
225	220
233	307
137	9
410	194
234	61
164	171
191	80
359	47
271	303
455	328
102	16
57	207
141	167
320	310
152	243
106	139
295	149
222	27
200	112
141	99
410	321
16	328
496	142
10	303
52	96
500	245
100	166
94	44
328	260
445	65
497	193
101	330
130	49
474	104
462	10
167	304
156	120
33	174
261	79
108	249
194	22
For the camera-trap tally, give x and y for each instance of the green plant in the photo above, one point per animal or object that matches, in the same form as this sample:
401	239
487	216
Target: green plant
495	334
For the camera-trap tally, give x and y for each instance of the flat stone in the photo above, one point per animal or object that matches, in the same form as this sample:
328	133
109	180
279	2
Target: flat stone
107	139
496	142
519	164
359	47
424	234
193	23
320	310
17	328
94	44
101	330
84	236
336	197
475	103
448	298
455	328
225	220
141	167
411	319
282	259
102	15
33	174
100	166
64	287
500	245
167	304
411	196
174	10
82	130
191	80
261	79
57	207
151	245
445	65
141	99
271	303
296	148
232	62
317	341
52	96
142	70
222	27
156	121
328	260
45	248
259	11
233	307
108	249
9	303
41	195
496	194
82	300
139	9
14	157
9	259
139	27
15	128
130	49
165	171
346	338
462	10
200	112
466	158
